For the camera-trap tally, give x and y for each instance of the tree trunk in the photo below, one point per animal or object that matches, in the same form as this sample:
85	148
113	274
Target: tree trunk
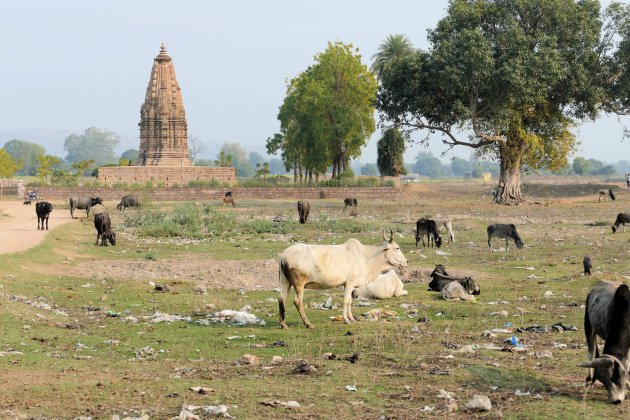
334	170
317	177
508	190
295	175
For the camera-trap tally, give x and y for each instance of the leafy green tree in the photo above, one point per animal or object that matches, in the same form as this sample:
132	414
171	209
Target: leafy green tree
224	160
460	167
130	155
394	47
369	169
389	153
239	158
25	152
8	166
46	165
428	165
255	159
581	166
92	144
327	115
262	170
517	74
83	166
205	162
276	166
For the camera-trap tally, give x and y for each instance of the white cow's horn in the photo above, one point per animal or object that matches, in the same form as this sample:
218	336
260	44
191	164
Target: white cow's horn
384	237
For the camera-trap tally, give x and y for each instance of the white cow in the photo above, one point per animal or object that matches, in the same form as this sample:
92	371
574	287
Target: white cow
351	265
385	286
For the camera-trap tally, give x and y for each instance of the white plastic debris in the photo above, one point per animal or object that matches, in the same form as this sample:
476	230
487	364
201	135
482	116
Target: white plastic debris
518	393
161	317
479	403
232	317
351	387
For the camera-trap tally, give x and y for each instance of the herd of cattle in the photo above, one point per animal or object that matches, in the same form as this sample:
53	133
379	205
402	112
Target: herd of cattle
368	271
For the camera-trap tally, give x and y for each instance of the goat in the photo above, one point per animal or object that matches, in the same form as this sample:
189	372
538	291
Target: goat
440	279
622	219
428	227
500	230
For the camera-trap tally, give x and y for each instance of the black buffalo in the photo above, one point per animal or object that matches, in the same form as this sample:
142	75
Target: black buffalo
350	202
83	203
499	230
304	208
103	226
128	201
43	209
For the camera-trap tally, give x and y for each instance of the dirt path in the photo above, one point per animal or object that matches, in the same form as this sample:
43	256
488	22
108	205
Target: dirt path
18	226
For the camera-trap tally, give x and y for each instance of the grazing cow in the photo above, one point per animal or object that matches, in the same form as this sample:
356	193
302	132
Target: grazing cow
351	265
304	209
428	227
587	265
43	209
385	286
604	194
128	201
607	315
440	279
103	226
500	230
622	219
83	203
350	202
229	200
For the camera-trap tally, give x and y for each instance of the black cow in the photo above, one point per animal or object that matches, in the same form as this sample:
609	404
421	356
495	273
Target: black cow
440	278
128	201
43	209
304	208
500	230
607	315
83	203
103	226
622	219
350	202
428	227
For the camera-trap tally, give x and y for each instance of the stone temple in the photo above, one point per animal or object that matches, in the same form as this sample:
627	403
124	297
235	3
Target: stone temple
163	153
163	128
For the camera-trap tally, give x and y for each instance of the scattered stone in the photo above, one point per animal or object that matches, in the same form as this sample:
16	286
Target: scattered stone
201	289
518	393
444	394
479	403
248	360
277	403
146	353
276	360
304	368
351	387
329	356
278	343
548	294
161	288
499	313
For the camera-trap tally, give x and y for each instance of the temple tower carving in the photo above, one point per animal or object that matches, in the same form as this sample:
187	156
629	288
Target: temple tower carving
163	127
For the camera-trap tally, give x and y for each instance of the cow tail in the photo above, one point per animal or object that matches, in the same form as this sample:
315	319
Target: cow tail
285	286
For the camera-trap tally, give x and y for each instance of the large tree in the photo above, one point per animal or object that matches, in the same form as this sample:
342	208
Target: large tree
92	144
26	153
389	153
394	47
8	166
327	114
516	75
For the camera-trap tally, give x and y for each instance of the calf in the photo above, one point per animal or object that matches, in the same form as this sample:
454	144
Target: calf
504	231
43	209
428	227
83	203
455	291
440	279
128	201
385	286
103	226
607	315
304	209
349	202
622	219
587	265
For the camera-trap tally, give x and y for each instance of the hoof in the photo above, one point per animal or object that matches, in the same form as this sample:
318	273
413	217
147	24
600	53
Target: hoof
310	326
284	326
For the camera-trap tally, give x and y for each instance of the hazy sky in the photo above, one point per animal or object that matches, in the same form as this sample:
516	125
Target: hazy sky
74	64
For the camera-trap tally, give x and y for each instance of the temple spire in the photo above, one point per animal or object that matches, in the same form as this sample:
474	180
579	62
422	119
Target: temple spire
163	127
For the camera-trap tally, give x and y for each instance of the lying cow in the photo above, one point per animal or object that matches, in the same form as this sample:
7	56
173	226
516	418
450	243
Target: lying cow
429	228
440	279
128	201
500	231
103	226
455	291
607	315
622	219
83	203
349	202
385	286
43	209
304	208
351	265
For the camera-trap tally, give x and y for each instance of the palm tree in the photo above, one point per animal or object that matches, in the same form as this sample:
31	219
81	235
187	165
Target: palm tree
394	47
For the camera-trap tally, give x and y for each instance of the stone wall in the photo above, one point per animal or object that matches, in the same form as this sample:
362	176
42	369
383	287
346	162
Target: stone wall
166	175
207	194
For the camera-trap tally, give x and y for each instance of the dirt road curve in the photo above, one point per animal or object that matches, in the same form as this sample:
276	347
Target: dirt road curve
18	226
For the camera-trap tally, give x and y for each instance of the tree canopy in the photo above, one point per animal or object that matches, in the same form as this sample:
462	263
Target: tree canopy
8	166
93	144
389	153
516	74
327	114
26	153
